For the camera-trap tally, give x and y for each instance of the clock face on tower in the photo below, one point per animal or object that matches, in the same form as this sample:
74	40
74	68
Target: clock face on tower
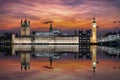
94	25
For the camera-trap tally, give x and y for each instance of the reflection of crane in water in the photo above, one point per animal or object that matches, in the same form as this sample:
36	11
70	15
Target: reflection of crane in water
51	56
49	22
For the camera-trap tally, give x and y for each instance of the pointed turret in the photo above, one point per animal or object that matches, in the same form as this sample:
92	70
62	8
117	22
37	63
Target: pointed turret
21	21
51	29
29	22
94	21
25	21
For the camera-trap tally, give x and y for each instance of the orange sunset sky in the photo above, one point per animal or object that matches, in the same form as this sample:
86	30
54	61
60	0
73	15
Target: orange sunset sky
66	14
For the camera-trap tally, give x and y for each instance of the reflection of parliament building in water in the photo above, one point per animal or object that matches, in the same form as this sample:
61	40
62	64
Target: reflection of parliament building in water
110	51
54	36
54	52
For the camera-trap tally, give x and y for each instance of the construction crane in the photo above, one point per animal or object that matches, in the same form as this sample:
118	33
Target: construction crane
49	22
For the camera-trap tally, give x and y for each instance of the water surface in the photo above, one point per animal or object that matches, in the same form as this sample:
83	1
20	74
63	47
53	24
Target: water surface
59	62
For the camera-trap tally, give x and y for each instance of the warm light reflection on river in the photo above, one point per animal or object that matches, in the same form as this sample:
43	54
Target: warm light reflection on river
59	62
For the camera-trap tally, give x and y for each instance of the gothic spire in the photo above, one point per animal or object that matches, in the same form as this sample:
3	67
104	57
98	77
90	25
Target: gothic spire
94	21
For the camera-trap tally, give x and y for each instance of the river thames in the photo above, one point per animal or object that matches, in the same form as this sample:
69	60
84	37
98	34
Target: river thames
59	62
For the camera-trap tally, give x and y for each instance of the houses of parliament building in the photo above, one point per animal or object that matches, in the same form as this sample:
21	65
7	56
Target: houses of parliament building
54	36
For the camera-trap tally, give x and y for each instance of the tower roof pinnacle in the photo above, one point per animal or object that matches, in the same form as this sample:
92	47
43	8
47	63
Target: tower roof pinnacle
94	21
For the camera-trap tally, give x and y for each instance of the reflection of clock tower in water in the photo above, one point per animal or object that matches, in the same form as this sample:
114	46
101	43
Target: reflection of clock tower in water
25	56
93	50
25	61
94	31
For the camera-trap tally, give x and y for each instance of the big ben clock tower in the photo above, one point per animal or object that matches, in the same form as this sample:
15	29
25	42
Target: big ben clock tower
94	31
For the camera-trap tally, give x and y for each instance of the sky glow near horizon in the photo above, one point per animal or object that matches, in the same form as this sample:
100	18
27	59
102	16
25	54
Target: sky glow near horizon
66	14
